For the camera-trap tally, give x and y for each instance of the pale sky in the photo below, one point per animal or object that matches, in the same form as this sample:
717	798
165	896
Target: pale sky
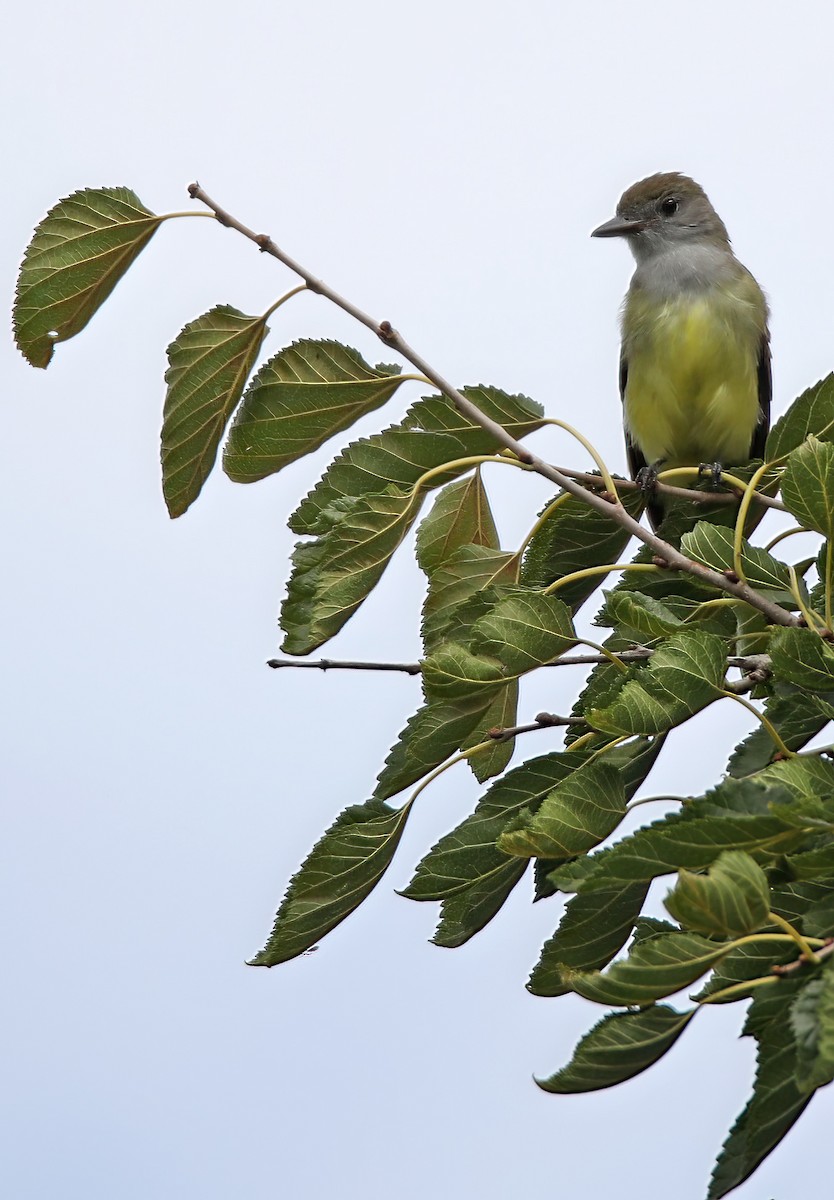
442	165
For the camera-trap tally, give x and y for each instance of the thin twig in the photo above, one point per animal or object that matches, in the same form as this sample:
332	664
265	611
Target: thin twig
384	330
753	664
543	720
330	664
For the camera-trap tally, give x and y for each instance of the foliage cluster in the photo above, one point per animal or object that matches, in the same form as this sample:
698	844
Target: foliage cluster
751	862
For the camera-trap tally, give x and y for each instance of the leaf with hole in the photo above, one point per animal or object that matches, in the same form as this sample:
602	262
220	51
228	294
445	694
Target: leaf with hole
77	255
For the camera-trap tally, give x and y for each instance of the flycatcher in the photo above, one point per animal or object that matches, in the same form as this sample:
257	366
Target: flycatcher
695	376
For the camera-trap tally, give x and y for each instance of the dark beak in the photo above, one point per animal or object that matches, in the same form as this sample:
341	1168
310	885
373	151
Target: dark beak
619	227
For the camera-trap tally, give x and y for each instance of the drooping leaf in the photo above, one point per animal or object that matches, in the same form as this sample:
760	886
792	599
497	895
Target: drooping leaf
808	485
466	870
469	854
573	537
334	574
465	913
655	967
341	870
776	1102
460	516
618	1048
501	714
431	434
733	899
577	815
592	930
812	1022
810	413
208	365
712	545
683	676
430	736
77	255
302	396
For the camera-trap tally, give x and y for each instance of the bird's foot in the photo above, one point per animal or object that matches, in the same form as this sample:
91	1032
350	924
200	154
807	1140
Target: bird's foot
714	470
646	479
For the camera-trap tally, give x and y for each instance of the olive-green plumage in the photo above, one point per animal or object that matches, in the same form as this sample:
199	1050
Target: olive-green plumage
695	362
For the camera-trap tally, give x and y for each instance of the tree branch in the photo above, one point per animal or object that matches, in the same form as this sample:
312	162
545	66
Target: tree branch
669	555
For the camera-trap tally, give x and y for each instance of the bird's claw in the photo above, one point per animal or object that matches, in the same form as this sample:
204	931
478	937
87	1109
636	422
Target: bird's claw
646	480
714	470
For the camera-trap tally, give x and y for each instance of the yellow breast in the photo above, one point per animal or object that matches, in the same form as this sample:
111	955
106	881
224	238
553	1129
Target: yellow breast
692	388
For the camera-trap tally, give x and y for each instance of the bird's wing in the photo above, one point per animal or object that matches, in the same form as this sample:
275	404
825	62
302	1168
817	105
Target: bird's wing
635	456
757	446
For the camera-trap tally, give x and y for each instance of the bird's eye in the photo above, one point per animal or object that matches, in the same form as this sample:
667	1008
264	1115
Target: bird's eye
668	206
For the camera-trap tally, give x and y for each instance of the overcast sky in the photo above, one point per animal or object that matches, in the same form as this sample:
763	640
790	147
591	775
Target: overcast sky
442	164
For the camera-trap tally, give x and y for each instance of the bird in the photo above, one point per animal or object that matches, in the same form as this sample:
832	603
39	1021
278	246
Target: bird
695	364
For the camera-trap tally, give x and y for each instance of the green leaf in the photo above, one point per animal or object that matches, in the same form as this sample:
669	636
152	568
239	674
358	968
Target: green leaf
813	864
77	255
683	676
776	1103
655	967
461	525
521	631
637	617
730	901
448	610
468	855
812	1022
810	782
341	870
460	516
593	928
501	714
302	396
810	413
803	658
433	733
754	960
796	719
334	574
818	918
712	545
691	839
466	913
466	870
432	433
618	1048
208	365
809	906
524	630
572	538
577	815
808	486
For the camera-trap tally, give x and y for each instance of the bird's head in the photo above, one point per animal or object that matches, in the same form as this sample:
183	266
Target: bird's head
663	212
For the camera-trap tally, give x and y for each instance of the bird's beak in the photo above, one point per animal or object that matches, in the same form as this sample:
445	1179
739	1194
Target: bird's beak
619	227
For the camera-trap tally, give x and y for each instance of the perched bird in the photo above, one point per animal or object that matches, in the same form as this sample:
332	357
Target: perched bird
695	376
